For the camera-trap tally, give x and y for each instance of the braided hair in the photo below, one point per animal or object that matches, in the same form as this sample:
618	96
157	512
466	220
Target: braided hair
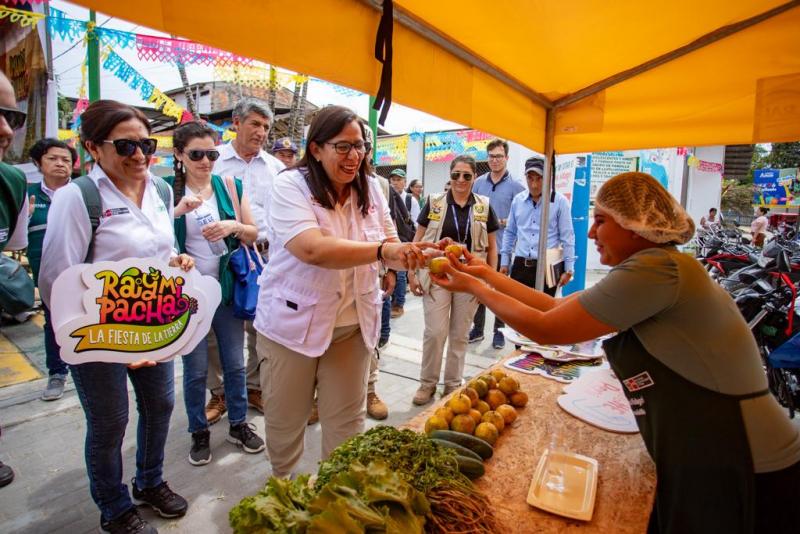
180	138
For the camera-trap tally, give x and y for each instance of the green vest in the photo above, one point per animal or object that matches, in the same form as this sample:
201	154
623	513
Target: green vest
13	187
226	212
37	224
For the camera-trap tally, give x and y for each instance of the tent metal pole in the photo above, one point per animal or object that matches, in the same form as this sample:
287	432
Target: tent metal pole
701	42
422	29
549	137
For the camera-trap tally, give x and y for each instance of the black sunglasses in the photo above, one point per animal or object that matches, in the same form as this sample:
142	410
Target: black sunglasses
126	147
455	175
197	155
14	117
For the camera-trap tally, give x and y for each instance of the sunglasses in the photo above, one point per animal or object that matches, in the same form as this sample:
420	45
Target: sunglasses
127	147
467	176
197	155
14	117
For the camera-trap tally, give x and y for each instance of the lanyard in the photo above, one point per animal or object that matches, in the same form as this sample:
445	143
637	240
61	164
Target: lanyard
458	229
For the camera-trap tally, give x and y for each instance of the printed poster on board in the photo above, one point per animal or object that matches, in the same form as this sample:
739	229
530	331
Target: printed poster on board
131	310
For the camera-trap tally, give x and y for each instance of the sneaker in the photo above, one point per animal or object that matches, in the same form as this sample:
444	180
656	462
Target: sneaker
242	434
382	342
424	395
397	311
200	453
376	408
313	419
6	475
215	408
254	399
499	340
449	389
128	523
163	500
475	336
55	387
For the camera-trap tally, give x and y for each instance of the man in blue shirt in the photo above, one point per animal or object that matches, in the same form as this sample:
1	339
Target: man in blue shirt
501	189
522	232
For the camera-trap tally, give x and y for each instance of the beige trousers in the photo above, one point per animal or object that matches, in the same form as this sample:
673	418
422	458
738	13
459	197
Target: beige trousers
448	317
287	380
214	379
373	371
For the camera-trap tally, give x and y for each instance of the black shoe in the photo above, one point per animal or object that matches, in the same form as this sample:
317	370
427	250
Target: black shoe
163	500
128	523
6	475
242	434
475	336
499	340
200	454
382	342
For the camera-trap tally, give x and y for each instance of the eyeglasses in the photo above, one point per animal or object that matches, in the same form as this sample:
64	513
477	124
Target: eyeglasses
14	117
455	175
343	147
197	155
127	147
497	156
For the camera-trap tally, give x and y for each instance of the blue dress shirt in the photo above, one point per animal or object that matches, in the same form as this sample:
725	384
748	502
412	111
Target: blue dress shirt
500	196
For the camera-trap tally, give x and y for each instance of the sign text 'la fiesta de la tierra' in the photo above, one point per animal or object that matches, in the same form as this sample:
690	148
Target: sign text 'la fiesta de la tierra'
131	310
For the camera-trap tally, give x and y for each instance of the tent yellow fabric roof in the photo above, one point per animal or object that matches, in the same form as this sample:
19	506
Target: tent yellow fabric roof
499	66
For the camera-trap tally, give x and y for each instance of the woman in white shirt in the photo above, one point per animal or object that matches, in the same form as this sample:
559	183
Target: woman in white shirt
319	307
135	222
414	200
199	194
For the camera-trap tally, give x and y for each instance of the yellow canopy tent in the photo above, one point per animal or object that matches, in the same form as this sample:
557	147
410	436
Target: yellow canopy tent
563	76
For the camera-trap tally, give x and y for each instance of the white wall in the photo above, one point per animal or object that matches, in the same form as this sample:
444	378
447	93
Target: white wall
705	188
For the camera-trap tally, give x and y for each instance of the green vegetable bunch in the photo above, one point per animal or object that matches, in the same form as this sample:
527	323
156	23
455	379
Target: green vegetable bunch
413	456
280	507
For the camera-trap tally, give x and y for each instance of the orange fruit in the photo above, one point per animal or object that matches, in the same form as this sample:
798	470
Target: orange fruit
487	432
460	403
495	418
435	422
436	265
497	374
491	382
494	398
463	423
472	394
479	386
508	412
476	415
455	250
519	399
446	412
483	407
508	385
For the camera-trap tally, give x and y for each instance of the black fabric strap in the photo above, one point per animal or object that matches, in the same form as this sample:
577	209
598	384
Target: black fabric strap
383	53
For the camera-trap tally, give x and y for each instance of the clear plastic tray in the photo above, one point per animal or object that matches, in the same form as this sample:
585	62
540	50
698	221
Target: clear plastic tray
579	481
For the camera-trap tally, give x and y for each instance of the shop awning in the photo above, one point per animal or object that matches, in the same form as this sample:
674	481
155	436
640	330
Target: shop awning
498	66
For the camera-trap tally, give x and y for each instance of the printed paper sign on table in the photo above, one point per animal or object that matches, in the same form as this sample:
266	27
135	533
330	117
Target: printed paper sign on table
598	399
130	310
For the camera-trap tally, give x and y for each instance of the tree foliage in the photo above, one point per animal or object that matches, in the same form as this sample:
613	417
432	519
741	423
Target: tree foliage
737	197
783	156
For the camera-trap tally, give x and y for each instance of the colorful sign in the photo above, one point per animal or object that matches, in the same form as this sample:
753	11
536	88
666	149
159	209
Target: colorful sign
131	310
445	146
534	363
391	150
776	187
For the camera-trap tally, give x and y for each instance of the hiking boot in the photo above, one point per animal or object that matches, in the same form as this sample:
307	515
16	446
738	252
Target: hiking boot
128	523
254	399
163	500
499	340
397	311
424	395
215	408
475	336
242	434
6	475
200	453
55	387
449	389
376	408
313	418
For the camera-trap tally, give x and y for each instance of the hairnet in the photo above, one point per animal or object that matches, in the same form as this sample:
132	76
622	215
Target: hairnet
639	203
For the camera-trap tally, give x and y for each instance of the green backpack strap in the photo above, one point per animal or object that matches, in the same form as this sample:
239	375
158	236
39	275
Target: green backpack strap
94	207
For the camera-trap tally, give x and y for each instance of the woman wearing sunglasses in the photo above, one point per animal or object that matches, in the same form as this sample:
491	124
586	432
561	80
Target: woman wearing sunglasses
466	218
319	306
197	191
136	222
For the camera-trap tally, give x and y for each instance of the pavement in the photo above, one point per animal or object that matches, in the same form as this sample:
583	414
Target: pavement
44	441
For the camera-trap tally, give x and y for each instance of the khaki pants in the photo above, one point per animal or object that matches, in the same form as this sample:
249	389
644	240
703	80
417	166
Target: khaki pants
287	380
373	371
448	317
214	380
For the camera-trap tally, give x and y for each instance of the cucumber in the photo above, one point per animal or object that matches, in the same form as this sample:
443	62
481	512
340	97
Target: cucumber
461	451
470	467
474	444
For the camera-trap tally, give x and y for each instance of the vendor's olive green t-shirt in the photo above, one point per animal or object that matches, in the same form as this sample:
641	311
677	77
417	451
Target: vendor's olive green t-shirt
691	325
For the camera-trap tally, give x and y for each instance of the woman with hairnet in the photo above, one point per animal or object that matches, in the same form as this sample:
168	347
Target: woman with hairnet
726	455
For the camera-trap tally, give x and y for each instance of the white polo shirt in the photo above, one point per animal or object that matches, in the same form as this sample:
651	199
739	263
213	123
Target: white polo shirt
125	230
257	177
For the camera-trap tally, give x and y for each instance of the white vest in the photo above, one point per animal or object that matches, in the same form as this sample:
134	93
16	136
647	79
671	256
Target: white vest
298	302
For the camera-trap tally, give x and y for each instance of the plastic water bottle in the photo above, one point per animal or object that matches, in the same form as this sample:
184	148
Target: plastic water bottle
203	217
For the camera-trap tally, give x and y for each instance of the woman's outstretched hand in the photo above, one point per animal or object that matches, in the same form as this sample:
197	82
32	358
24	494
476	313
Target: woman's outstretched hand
473	266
